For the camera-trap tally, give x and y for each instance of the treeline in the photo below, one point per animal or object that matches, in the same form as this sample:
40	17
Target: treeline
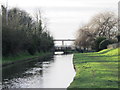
22	33
100	31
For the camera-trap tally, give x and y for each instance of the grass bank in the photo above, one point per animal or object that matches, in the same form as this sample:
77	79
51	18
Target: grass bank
21	57
97	69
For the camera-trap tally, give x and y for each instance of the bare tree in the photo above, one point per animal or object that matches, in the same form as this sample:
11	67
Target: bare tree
104	24
101	25
41	22
84	38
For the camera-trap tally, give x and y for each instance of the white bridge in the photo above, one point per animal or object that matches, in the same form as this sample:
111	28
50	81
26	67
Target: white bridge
63	47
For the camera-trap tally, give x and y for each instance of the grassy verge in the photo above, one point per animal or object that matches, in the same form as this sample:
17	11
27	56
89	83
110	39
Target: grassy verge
22	57
97	69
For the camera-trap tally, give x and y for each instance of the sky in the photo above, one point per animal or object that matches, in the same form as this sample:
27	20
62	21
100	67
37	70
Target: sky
64	17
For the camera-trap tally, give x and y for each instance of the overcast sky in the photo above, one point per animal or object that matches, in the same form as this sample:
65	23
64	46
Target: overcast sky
65	16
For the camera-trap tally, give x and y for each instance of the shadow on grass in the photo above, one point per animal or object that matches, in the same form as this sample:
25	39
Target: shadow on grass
98	61
102	56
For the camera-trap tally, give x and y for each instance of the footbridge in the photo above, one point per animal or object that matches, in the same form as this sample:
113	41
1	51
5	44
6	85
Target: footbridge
63	40
63	47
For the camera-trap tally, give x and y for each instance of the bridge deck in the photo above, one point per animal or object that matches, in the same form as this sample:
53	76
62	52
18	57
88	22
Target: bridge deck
64	40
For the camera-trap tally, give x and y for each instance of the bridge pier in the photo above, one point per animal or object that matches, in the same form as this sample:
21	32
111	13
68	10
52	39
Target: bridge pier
62	43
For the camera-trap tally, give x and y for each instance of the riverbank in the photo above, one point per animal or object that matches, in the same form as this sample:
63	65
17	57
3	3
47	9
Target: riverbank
96	70
23	58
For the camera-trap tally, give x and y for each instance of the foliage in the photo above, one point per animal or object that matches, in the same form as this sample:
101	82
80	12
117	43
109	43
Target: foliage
98	40
21	33
118	37
103	44
112	41
96	70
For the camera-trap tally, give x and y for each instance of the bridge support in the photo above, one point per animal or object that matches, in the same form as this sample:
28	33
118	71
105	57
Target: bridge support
62	43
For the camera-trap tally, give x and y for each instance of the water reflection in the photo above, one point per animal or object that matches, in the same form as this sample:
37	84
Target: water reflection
55	72
58	53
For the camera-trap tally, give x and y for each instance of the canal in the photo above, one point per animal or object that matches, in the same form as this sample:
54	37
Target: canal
55	72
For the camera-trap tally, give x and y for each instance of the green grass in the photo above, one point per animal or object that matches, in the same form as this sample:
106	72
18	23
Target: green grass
96	70
21	56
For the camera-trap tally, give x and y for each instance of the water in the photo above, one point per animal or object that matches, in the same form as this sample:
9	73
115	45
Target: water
55	72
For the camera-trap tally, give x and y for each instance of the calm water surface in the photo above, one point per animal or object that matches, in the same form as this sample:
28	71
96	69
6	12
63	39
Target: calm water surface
55	72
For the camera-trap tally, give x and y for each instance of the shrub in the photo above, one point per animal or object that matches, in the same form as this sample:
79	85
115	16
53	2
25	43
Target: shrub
112	41
31	51
118	37
98	41
104	44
